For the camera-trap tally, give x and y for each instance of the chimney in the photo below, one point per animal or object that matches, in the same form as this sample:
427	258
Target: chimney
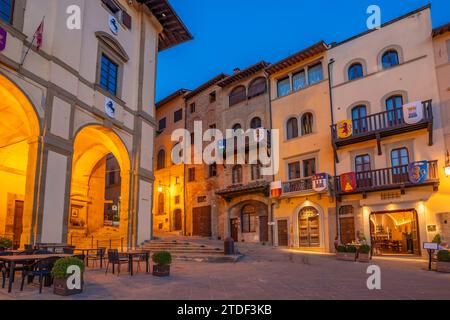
236	70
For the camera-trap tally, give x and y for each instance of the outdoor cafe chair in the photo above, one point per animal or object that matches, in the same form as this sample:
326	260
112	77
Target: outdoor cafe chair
98	256
115	259
3	269
42	269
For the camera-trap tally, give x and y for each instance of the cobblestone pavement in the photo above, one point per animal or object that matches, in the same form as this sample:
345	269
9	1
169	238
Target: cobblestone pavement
265	273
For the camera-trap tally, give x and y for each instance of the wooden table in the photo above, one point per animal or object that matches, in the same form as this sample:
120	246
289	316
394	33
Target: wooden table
53	246
134	253
12	261
85	252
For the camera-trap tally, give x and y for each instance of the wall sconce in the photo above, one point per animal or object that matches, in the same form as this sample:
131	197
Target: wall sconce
447	165
160	187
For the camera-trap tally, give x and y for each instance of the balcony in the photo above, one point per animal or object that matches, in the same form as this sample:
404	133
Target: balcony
384	124
300	186
389	179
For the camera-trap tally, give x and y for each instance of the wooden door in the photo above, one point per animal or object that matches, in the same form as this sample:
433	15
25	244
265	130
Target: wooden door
282	226
309	232
347	226
202	222
177	220
234	229
263	229
18	223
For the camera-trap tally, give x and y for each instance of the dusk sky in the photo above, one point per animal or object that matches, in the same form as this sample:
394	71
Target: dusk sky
238	33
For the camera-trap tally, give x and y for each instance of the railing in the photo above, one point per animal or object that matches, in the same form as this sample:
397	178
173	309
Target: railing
388	122
111	243
300	185
388	178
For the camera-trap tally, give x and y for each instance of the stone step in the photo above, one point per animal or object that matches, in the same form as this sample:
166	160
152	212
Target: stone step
207	258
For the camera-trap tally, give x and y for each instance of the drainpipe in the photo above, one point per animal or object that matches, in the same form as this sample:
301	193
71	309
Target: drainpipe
330	87
272	205
184	171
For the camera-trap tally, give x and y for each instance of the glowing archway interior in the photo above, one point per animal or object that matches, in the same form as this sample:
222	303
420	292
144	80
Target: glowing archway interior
92	144
19	131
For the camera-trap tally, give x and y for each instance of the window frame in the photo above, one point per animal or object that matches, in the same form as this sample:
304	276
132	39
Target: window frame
212	97
248	219
311	125
162	120
364	163
161	163
259	81
279	81
178	115
297	170
11	13
350	75
237	174
191	174
391	50
295	131
105	50
240	92
314	169
322	77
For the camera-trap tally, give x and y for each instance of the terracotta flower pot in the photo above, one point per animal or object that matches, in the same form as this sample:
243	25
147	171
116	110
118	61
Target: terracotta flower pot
161	271
443	266
60	288
364	257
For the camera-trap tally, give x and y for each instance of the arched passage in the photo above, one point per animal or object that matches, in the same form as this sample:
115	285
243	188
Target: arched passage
19	132
99	196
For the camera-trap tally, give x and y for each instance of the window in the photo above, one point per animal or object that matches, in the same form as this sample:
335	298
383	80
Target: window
192	138
177	199
161	204
248	219
109	72
117	11
292	128
256	123
178	115
191	174
284	87
307	123
355	71
213	170
161	163
111	5
213	126
162	123
309	168
389	59
201	199
362	163
237	174
315	74
399	157
359	114
192	106
6	10
237	127
299	80
256	171
394	106
346	210
212	97
257	87
294	170
238	95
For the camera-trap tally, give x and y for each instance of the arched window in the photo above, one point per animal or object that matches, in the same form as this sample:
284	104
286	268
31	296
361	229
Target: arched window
256	123
161	163
307	123
238	95
237	174
257	87
248	219
292	128
359	114
161	204
389	59
256	171
355	71
394	106
237	127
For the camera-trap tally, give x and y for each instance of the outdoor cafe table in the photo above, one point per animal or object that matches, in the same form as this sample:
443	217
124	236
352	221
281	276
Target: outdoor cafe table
138	252
12	261
86	251
53	246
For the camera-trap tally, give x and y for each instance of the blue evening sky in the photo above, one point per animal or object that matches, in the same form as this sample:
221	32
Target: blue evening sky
238	33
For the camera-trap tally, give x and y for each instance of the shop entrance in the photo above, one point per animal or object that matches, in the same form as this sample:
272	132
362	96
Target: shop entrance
395	232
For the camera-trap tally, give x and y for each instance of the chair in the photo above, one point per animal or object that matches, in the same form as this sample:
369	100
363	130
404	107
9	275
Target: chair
98	256
29	248
3	268
42	268
139	258
69	250
114	258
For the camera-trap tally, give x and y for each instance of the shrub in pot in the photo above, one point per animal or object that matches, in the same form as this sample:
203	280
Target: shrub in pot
351	253
6	243
162	261
443	263
364	253
341	252
61	276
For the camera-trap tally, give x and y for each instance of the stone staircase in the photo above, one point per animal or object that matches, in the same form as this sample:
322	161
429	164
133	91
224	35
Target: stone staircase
185	250
106	237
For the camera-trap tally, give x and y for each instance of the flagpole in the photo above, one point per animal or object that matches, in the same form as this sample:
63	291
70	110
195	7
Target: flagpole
31	44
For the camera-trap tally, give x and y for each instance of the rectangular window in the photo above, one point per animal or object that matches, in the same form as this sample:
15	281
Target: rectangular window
248	223
299	80
177	199
192	107
178	115
294	170
212	97
162	124
191	174
109	72
111	5
309	168
6	10
201	199
284	87
315	73
362	163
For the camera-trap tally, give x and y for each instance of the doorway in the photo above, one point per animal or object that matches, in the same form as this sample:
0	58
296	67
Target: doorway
234	228
177	220
395	232
202	222
18	223
308	228
282	226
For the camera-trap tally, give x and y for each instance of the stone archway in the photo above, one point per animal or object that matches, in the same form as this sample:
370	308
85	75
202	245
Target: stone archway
100	186
19	144
309	226
248	221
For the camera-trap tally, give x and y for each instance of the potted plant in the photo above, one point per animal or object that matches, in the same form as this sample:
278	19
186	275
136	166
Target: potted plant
61	276
341	252
443	263
437	239
6	243
351	253
162	261
364	253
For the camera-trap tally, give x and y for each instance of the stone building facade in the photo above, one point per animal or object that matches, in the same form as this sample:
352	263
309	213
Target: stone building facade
79	96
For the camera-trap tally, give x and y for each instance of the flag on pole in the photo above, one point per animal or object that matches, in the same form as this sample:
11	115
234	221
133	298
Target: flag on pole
39	35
